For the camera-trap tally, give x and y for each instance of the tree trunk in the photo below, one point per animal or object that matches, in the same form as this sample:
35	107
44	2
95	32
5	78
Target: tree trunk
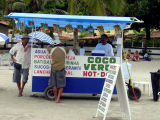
147	32
76	42
13	31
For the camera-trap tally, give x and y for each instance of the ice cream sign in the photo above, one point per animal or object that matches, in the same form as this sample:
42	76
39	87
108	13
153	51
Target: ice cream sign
76	66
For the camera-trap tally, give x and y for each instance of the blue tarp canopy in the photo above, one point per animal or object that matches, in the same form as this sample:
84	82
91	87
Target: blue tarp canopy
106	21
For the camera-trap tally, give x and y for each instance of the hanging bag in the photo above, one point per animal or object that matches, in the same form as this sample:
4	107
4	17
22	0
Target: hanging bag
17	66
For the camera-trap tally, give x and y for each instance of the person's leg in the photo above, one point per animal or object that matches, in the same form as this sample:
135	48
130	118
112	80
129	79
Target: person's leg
55	91
60	91
21	90
53	83
19	87
25	73
137	58
133	58
61	83
17	79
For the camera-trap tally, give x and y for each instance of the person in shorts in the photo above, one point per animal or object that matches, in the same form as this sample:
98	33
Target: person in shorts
128	55
136	56
21	62
57	78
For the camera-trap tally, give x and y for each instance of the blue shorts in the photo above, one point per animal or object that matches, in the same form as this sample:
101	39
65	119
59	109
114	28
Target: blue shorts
17	75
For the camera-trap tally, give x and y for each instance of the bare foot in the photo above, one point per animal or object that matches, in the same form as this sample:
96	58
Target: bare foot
57	101
20	93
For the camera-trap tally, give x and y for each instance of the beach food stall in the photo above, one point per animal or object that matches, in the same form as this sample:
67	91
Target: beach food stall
84	74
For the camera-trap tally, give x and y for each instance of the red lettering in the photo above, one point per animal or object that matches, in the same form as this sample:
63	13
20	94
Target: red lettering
102	103
35	56
74	57
94	73
89	73
69	73
41	72
70	57
113	67
102	74
84	73
108	85
42	56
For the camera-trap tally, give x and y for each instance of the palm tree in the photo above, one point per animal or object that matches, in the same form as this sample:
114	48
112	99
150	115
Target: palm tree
36	5
99	7
56	7
18	7
15	6
2	8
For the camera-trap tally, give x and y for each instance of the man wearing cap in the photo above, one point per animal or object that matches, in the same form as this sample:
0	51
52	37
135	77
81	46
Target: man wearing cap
21	62
57	77
105	46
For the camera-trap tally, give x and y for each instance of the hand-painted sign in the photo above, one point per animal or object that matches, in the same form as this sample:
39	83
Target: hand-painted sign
76	66
89	66
108	89
41	62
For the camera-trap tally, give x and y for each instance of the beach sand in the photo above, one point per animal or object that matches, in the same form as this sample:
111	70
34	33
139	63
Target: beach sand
33	106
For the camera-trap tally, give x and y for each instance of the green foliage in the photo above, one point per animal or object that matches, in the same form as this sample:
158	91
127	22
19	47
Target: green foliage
145	50
18	7
140	32
55	7
96	6
146	10
83	9
90	43
137	42
153	43
73	6
117	7
84	34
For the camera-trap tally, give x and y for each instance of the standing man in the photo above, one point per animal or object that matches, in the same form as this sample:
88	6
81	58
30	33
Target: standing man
21	62
57	77
105	46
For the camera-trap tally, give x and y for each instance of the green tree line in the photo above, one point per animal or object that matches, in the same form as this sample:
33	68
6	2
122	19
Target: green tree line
146	10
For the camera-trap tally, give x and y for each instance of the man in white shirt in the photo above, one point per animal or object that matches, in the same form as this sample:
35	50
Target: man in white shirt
21	62
106	47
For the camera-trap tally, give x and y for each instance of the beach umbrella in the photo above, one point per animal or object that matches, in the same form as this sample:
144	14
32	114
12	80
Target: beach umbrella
3	39
18	37
41	36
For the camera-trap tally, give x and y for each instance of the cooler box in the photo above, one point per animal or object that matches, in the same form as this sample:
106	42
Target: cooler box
98	53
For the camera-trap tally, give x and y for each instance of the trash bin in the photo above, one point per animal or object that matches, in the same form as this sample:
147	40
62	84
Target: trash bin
155	79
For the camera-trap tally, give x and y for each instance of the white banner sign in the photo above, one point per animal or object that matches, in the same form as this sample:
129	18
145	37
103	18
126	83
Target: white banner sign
89	66
108	90
76	66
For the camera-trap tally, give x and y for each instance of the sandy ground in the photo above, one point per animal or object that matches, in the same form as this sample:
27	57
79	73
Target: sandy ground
73	106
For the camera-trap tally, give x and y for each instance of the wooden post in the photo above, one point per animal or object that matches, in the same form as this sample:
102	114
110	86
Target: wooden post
76	42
